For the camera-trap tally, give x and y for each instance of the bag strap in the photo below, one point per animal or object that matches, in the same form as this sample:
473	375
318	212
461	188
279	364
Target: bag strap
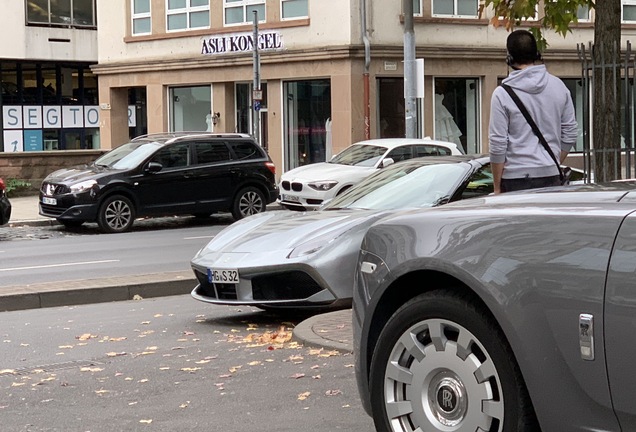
533	125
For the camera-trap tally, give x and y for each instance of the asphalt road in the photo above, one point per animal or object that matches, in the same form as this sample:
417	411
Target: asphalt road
169	364
154	246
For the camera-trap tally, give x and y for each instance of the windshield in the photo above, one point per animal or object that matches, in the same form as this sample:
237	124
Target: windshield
408	186
128	155
359	155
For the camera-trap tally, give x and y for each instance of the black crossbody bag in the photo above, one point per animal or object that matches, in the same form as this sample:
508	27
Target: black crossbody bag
564	178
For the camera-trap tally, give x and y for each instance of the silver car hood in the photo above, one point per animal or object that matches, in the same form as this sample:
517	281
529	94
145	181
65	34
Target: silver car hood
282	230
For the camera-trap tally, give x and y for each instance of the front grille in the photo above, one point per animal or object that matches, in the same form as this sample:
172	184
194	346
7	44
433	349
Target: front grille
51	189
295	186
293	285
52	210
215	290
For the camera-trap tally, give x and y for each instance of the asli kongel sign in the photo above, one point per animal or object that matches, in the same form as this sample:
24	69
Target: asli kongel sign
241	42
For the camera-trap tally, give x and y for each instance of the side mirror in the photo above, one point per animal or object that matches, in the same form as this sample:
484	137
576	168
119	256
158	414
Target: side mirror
386	162
153	167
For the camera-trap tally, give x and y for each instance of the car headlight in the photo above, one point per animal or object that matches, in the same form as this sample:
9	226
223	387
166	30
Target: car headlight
82	186
322	185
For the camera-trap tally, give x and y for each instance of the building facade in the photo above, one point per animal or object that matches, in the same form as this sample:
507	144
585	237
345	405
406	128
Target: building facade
49	93
331	72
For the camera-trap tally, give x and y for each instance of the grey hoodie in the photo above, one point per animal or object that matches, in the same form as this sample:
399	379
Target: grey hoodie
512	141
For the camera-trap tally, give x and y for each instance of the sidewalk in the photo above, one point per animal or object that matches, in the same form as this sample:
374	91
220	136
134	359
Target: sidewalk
331	330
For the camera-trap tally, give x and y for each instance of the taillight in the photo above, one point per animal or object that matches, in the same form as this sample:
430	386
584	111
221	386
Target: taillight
271	167
2	185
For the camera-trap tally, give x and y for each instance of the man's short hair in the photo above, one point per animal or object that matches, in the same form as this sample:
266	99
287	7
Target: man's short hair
522	47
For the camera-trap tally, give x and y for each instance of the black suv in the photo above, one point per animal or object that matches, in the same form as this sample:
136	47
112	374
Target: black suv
163	174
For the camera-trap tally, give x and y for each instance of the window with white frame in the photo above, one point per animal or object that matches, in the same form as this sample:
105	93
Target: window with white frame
187	14
294	9
583	13
69	13
417	7
238	12
629	11
456	8
141	23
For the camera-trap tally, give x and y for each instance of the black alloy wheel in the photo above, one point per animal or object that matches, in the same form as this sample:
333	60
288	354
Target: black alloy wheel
248	201
116	214
442	364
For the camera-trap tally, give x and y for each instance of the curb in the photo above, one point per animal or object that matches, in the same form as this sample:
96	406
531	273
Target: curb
306	331
78	292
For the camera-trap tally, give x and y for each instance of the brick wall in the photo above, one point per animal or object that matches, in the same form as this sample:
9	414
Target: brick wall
32	167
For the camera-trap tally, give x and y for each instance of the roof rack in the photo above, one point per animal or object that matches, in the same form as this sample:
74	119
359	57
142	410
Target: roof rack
165	136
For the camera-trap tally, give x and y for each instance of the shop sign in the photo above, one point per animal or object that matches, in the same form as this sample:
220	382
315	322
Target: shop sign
241	42
55	117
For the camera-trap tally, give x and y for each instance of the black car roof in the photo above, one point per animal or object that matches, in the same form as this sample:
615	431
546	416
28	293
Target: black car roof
170	137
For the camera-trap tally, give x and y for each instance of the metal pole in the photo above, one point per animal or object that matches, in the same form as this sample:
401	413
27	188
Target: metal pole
365	76
410	68
256	131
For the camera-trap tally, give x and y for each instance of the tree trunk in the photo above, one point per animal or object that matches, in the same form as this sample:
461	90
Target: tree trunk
606	120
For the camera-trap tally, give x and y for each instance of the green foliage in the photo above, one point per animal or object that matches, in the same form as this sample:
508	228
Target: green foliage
557	15
14	186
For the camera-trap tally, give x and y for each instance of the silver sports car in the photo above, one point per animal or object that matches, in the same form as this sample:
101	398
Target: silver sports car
514	312
290	259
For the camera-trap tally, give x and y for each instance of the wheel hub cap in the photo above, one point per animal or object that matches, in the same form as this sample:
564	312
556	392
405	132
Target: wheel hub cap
447	399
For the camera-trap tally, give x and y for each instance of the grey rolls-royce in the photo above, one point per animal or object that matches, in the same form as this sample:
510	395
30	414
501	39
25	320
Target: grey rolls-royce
514	312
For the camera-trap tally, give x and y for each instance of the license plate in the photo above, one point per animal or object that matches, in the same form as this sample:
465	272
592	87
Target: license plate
291	198
230	276
49	201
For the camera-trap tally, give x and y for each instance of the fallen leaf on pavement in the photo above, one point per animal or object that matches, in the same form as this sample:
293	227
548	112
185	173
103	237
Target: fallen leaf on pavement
298	375
91	369
115	354
333	392
145	421
65	346
85	336
102	391
303	396
194	369
7	371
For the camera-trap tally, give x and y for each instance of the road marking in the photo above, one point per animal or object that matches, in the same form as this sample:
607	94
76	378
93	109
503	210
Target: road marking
199	237
58	265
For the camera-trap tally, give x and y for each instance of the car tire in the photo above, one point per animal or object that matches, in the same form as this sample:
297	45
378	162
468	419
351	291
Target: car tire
424	382
116	214
70	224
248	201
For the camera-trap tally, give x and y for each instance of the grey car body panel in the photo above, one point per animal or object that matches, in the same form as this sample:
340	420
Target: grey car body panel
620	324
537	260
261	244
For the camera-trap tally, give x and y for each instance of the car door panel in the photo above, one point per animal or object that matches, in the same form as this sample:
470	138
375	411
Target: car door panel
620	324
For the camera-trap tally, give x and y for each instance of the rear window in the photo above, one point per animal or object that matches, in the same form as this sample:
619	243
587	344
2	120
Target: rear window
246	150
211	152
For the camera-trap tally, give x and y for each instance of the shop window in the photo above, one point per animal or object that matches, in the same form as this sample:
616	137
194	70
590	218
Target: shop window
187	14
391	122
238	12
67	13
457	112
576	91
294	9
141	23
245	111
456	8
307	120
190	108
629	11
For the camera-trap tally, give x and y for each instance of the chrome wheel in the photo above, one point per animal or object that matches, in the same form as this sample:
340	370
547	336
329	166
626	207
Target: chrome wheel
440	377
248	202
116	214
441	363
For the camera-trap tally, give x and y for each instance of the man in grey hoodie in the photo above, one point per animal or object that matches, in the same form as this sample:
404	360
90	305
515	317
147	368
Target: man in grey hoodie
518	159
